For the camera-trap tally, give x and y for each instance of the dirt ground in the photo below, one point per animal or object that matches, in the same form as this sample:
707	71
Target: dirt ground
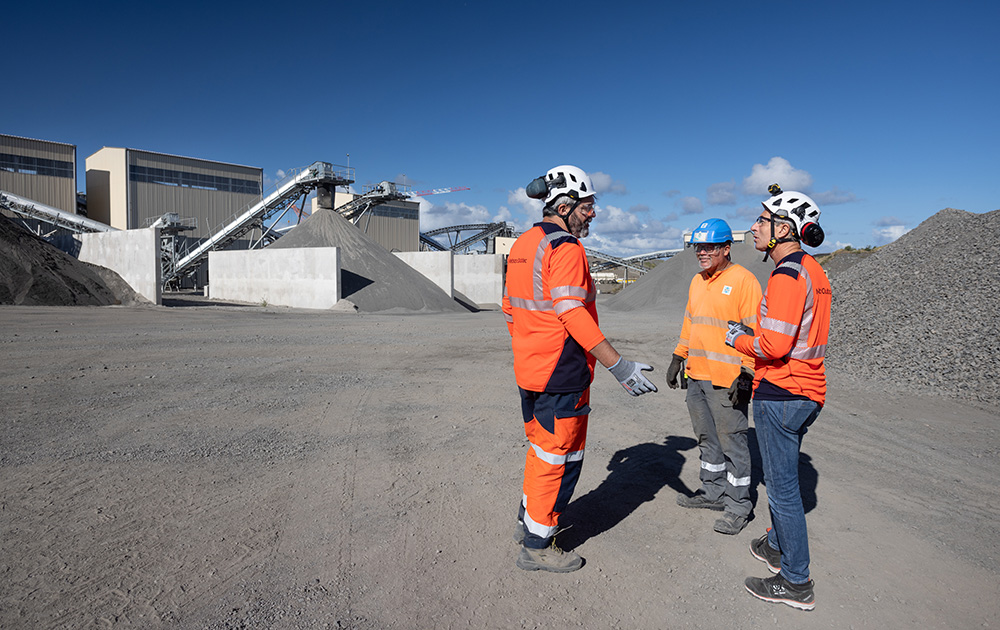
258	467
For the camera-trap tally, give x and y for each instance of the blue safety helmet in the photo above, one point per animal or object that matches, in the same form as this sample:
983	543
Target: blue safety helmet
712	231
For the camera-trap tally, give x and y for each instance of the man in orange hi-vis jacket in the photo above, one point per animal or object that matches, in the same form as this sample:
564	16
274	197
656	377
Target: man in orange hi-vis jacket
719	377
789	346
549	306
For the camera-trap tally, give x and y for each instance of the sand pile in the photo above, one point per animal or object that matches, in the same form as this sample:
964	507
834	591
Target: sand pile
924	311
35	273
372	279
665	288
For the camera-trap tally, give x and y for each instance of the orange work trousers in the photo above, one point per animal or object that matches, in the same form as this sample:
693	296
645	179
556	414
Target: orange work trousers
556	427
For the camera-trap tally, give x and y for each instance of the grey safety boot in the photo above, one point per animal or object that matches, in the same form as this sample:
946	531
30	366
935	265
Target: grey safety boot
699	500
730	523
519	532
778	590
551	558
763	551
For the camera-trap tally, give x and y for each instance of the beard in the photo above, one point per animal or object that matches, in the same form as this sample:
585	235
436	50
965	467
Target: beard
579	228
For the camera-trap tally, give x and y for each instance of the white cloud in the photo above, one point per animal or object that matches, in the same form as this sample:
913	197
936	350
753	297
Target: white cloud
604	184
722	194
888	233
521	199
691	205
779	171
833	197
888	229
841	245
672	193
622	233
888	221
448	214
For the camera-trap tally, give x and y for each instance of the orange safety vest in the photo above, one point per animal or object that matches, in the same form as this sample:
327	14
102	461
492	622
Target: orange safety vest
790	344
549	305
731	294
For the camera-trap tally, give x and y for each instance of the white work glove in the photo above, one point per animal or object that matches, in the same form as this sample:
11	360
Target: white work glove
630	375
737	329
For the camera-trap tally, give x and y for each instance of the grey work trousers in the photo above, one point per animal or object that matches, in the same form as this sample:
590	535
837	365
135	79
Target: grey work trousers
721	430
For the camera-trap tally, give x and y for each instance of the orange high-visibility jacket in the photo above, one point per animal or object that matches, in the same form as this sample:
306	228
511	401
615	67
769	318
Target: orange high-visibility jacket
730	294
790	341
549	305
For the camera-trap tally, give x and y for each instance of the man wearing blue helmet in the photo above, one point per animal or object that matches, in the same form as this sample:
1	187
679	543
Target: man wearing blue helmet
720	379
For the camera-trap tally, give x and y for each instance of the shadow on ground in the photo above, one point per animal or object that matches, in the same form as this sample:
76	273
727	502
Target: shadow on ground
637	474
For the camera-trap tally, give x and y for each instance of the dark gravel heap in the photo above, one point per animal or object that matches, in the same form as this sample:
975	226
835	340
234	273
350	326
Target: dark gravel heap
34	273
923	312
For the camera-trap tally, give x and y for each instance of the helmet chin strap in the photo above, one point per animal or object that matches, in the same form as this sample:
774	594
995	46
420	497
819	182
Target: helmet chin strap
773	242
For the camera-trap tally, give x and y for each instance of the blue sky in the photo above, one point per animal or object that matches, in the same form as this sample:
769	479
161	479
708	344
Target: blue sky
884	112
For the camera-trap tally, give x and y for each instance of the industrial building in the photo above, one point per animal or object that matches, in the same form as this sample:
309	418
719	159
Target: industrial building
129	189
40	170
395	224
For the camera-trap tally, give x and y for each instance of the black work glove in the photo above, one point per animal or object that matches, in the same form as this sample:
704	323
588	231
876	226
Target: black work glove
742	388
673	370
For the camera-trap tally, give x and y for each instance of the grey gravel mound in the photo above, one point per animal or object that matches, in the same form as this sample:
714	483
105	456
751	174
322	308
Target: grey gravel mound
841	260
923	312
665	288
35	273
372	278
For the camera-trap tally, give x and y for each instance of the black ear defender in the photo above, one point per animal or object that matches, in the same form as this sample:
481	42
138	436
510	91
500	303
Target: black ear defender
539	188
812	234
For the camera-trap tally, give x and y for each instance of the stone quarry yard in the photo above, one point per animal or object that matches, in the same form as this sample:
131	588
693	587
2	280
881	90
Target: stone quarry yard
257	467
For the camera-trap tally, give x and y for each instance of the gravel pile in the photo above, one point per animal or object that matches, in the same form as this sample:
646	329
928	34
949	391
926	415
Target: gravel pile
372	279
34	273
923	312
665	288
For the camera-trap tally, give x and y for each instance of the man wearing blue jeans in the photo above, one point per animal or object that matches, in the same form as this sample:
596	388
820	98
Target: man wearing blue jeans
793	322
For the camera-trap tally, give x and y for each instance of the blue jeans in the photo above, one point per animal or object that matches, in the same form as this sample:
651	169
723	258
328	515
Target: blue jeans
780	425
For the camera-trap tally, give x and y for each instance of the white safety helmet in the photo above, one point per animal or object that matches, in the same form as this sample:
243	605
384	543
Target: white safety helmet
568	180
801	211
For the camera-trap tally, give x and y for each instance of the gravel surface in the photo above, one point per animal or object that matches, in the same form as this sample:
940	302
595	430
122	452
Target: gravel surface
221	468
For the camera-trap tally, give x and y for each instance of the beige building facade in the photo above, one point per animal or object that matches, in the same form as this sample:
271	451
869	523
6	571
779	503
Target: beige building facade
131	188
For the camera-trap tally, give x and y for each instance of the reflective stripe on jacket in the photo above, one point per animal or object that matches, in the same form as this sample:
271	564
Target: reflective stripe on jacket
731	294
549	304
794	324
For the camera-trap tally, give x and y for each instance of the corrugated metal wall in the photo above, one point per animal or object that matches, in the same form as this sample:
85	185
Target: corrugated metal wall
39	170
211	192
395	226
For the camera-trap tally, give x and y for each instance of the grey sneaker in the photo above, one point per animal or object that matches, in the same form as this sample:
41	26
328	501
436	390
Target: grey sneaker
763	551
778	590
552	558
699	501
519	532
730	523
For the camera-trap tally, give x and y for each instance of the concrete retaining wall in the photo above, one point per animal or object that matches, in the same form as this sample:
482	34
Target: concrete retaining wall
438	267
307	277
132	254
480	277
